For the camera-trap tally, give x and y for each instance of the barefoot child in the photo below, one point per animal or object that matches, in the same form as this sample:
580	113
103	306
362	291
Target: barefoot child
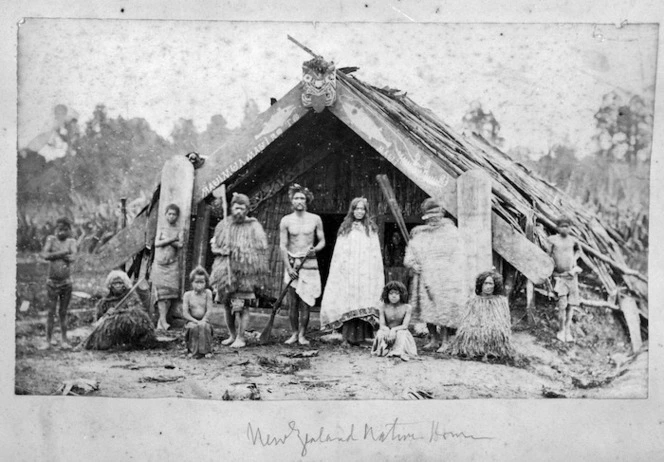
485	329
565	251
59	250
166	270
393	337
196	309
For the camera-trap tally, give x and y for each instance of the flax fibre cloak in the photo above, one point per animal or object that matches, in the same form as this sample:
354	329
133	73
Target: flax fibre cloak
242	265
438	294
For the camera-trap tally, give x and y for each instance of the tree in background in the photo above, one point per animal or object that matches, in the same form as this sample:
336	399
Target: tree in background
624	128
215	134
185	136
558	165
484	123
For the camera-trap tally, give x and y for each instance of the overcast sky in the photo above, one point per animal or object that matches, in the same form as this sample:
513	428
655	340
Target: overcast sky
542	82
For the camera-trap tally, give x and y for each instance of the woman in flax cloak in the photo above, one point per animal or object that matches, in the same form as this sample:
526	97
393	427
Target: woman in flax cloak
356	278
486	327
438	290
120	324
240	266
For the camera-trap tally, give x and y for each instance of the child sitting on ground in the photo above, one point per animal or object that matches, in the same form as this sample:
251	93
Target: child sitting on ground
393	337
196	309
485	329
121	318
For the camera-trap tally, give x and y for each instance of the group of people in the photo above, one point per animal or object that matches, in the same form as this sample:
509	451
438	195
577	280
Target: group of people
357	302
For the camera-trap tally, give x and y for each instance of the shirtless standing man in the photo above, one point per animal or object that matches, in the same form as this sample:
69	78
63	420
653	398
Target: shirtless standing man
298	232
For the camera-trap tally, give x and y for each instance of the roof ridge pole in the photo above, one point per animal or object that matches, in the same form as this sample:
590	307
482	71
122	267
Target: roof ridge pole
304	47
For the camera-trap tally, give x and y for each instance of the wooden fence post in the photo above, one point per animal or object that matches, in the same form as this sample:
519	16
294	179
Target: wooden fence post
474	219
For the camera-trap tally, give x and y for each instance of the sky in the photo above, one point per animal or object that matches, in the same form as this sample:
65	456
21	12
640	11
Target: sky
543	82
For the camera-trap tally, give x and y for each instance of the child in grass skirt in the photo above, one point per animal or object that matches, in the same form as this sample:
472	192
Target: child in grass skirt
120	321
485	329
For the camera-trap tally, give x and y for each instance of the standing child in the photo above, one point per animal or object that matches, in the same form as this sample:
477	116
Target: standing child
485	329
393	337
59	250
565	251
166	270
196	309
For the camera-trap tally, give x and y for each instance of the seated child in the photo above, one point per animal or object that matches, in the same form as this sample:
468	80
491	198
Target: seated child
196	309
393	337
485	329
121	319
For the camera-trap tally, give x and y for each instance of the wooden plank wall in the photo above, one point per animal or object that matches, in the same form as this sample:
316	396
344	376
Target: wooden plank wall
335	182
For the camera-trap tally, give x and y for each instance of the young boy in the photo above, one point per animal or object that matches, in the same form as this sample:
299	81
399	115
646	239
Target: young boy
565	250
59	250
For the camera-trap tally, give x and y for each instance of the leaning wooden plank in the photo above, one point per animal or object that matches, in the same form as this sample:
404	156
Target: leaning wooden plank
355	111
120	248
631	313
238	150
177	182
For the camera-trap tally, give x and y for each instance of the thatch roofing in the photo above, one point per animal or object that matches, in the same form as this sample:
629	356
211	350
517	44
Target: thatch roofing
520	195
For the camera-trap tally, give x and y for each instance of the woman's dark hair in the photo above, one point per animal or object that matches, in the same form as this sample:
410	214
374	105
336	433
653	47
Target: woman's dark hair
199	271
399	287
498	287
173	207
367	220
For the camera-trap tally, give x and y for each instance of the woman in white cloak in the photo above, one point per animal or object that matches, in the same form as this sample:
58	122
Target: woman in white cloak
356	277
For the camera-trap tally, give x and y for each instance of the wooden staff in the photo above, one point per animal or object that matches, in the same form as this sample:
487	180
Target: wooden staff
265	335
386	187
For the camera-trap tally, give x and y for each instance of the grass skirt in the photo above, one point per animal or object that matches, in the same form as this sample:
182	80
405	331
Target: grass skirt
485	328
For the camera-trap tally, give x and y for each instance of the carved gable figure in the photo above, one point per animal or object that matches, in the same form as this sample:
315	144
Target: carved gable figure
319	84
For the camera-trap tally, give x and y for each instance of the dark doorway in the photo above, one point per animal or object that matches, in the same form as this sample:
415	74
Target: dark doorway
331	224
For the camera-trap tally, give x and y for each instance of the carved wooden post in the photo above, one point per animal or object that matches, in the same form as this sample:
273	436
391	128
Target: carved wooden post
474	219
202	232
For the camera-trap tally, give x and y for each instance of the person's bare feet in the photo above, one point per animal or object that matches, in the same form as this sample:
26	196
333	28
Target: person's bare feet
239	343
404	358
229	340
443	348
292	339
302	341
568	336
561	336
65	345
190	355
163	325
208	356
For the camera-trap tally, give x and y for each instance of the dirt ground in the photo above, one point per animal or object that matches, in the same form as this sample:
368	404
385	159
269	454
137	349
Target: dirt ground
332	371
598	365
